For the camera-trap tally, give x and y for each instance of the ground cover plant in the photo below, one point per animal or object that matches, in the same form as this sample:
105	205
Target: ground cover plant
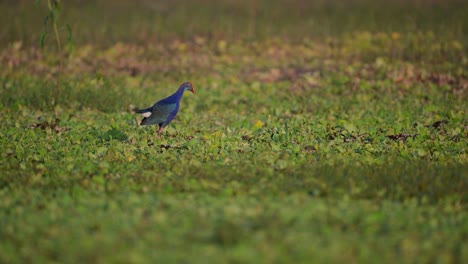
327	132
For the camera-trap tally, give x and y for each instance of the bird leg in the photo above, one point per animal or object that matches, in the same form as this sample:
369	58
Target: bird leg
160	131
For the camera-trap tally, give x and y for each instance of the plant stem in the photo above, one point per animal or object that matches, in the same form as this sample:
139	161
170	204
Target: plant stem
59	46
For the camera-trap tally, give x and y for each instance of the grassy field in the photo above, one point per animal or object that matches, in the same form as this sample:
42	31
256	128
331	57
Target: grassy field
325	132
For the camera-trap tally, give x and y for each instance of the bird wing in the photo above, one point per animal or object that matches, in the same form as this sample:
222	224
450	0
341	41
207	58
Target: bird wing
161	114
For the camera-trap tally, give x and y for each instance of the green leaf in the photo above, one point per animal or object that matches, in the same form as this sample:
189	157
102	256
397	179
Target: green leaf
70	33
114	134
43	39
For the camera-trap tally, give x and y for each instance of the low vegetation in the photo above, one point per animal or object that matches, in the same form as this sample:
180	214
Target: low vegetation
338	133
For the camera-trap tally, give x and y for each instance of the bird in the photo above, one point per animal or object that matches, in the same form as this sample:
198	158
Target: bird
165	110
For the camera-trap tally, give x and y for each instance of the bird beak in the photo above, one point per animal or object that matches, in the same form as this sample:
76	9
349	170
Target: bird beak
193	90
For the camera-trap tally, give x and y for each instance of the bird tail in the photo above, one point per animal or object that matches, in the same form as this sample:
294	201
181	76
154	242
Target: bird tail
146	113
142	111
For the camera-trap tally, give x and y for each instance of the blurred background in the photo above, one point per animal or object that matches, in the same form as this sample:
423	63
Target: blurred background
213	42
105	22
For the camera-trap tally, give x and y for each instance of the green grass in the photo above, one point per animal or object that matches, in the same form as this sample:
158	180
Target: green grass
329	133
131	226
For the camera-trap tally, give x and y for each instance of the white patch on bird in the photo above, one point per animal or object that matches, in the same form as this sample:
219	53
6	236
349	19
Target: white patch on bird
147	114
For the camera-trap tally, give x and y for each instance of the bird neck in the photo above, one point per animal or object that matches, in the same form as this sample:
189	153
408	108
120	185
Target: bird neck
180	92
177	95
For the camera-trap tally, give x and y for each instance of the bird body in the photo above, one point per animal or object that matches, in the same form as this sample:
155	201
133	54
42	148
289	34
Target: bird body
165	110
